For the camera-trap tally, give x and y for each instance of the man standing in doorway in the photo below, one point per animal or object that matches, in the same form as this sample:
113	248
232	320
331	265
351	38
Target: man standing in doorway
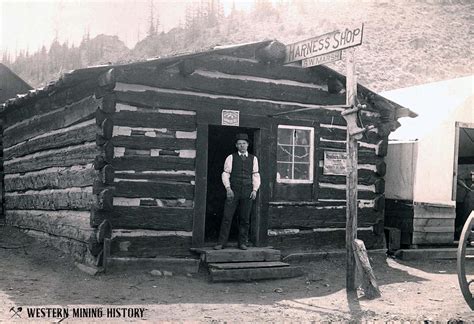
241	181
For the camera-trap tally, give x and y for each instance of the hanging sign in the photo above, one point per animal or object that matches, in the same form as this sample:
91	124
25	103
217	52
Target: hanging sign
335	163
327	43
321	59
230	118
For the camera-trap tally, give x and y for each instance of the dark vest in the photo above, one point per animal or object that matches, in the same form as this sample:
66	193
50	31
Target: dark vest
241	175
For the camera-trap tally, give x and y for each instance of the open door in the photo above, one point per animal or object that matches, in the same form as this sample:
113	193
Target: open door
221	143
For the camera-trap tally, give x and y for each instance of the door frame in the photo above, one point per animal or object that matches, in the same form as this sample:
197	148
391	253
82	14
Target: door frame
457	127
258	233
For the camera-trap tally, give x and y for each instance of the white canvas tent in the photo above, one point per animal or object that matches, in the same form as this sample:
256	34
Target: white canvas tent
423	156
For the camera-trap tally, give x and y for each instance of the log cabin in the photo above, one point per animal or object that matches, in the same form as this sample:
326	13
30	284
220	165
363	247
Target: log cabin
135	152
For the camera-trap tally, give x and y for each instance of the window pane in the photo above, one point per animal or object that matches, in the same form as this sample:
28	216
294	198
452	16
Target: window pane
284	153
302	171
301	154
294	161
284	171
302	137
285	136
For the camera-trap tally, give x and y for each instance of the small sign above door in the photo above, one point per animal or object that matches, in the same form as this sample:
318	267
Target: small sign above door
230	117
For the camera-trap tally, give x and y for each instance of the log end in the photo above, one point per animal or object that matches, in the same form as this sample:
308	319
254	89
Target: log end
107	128
106	198
186	67
381	168
379	203
104	231
107	79
108	103
272	53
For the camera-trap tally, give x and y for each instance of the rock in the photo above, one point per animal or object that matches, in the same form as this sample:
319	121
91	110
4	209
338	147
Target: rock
278	290
156	273
167	273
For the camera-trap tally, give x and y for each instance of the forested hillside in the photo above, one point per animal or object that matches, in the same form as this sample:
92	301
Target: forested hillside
405	42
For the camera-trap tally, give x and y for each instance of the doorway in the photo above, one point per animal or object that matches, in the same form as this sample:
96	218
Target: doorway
221	143
464	175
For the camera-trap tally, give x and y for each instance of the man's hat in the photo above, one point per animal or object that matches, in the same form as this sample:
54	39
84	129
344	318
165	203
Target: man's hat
242	136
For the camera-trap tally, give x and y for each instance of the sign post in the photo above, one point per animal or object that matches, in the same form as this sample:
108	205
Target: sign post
351	178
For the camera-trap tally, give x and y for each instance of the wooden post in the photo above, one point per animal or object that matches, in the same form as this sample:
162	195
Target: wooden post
351	179
106	253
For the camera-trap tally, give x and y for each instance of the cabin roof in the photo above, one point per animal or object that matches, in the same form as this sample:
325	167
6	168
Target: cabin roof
10	83
246	50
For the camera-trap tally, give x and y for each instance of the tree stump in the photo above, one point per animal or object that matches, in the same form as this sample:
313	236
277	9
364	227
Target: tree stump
368	281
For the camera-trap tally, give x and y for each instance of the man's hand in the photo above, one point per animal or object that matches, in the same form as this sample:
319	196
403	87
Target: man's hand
230	193
253	195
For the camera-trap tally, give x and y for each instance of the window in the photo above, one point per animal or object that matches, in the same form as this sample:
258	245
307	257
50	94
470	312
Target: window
295	154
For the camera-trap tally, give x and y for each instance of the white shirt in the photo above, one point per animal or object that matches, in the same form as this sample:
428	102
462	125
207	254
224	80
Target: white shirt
228	170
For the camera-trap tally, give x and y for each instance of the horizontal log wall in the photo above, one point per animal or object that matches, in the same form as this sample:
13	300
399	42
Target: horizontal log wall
58	157
146	243
328	209
65	223
295	241
309	217
51	178
154	163
50	121
69	136
50	144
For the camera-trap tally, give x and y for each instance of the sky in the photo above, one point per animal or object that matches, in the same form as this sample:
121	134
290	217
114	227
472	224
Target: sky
29	24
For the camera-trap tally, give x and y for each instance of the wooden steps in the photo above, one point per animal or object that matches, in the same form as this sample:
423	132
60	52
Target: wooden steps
210	255
218	275
232	264
247	265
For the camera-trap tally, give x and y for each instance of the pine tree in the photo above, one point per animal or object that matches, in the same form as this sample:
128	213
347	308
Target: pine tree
157	23
151	27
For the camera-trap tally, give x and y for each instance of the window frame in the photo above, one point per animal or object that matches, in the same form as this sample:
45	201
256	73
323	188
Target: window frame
310	179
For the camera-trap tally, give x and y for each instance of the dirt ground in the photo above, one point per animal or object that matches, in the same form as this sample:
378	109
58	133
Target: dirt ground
35	275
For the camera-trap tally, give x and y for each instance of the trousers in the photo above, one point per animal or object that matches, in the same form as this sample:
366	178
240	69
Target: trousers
242	199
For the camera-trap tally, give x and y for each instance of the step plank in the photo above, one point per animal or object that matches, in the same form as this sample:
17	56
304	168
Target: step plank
236	255
248	265
219	275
